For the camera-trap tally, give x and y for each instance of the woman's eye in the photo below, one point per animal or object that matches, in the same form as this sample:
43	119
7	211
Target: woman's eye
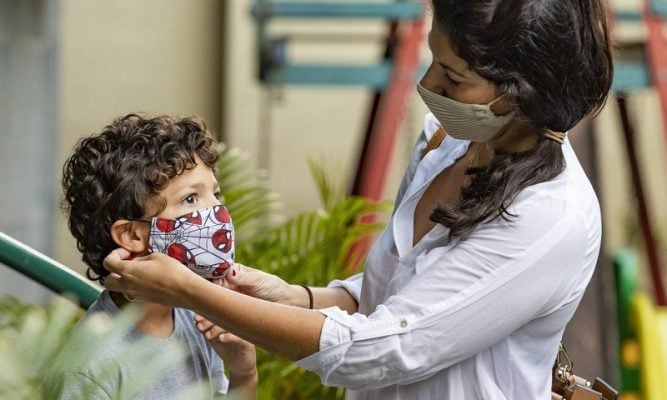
452	80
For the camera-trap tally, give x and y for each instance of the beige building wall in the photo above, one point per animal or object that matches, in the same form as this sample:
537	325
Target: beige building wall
121	56
164	56
283	127
169	57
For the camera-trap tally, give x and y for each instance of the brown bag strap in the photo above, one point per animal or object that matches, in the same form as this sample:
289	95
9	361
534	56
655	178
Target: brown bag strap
434	142
566	385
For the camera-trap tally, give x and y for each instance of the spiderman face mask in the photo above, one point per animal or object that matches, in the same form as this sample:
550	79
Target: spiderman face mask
202	240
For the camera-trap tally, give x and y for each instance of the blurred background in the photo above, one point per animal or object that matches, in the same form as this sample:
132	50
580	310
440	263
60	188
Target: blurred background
68	67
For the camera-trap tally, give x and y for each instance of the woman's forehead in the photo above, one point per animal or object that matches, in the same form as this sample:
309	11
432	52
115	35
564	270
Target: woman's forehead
444	51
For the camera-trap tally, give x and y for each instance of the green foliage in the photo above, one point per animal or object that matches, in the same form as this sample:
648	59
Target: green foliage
30	337
313	247
36	344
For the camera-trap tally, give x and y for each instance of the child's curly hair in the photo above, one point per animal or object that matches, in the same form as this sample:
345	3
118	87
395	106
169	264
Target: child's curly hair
113	174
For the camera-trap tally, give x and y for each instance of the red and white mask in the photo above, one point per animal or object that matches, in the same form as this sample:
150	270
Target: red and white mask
202	240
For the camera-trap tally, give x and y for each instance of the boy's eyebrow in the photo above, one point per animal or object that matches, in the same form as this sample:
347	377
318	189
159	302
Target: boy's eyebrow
199	186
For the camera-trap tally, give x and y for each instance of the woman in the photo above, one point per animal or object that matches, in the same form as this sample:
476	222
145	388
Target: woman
493	240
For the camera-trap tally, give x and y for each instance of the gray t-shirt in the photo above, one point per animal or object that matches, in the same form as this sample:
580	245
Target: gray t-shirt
124	365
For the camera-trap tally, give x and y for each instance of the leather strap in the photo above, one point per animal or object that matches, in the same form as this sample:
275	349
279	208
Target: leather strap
435	141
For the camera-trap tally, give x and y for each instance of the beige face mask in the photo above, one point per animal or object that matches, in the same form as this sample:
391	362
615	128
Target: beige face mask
474	122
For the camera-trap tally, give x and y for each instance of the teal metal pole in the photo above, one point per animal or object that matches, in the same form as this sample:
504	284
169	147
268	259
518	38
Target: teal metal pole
45	270
337	9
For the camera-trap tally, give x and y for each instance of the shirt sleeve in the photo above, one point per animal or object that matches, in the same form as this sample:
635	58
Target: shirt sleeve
464	298
351	284
73	385
219	381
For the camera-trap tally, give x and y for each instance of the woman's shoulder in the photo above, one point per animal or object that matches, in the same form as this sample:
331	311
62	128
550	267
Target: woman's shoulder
571	189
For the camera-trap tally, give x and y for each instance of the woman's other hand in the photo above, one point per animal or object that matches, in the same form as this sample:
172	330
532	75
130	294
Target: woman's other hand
262	285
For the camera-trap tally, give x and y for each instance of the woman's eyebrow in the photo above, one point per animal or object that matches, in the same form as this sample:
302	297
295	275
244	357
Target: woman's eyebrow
462	74
445	66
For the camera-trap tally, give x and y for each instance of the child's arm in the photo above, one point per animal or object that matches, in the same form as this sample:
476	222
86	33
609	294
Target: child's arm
239	357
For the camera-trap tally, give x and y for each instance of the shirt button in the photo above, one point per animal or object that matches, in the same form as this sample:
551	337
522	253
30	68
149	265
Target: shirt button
404	323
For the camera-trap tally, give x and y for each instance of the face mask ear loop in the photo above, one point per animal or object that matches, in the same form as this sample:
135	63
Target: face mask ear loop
140	220
496	100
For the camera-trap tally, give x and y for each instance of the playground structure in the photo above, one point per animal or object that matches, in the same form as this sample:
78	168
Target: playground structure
641	321
642	333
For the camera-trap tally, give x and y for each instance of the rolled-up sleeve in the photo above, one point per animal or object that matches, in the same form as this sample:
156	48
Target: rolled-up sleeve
463	299
351	284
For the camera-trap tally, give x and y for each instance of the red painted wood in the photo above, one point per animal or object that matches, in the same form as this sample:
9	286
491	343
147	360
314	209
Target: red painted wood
391	111
642	207
656	52
384	128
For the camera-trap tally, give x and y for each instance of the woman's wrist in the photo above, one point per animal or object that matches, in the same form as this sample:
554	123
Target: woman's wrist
299	296
186	295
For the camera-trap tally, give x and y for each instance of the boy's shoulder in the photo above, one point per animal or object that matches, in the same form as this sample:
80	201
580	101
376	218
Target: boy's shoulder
105	353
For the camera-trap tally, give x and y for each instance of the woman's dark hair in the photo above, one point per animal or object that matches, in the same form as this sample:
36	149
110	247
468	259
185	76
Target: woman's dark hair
552	58
113	174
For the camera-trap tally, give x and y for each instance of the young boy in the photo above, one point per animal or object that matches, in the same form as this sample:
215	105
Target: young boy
121	187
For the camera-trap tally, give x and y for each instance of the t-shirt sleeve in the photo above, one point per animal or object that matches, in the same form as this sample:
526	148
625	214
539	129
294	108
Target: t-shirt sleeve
219	381
464	298
69	385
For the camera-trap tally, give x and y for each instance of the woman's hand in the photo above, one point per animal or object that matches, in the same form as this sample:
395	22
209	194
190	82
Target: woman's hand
262	285
155	278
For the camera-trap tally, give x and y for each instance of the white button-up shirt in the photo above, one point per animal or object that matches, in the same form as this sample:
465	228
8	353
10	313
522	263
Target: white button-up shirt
479	318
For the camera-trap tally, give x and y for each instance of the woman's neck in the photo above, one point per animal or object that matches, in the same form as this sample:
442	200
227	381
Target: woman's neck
516	137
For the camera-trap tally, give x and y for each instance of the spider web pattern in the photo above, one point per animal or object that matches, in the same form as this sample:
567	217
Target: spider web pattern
197	239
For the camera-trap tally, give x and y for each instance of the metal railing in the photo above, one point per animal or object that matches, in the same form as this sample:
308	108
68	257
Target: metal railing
46	271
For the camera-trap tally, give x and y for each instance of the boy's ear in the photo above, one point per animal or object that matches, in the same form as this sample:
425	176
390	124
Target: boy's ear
131	235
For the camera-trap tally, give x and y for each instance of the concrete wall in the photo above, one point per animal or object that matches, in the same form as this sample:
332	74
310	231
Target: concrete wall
281	129
28	128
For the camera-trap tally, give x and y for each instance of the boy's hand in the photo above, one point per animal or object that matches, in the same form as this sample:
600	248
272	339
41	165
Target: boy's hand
238	355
